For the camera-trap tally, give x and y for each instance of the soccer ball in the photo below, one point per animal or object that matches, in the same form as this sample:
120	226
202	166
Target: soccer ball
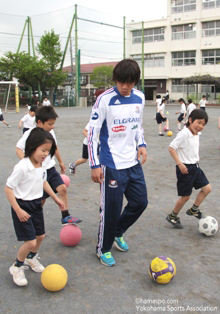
169	133
208	225
162	269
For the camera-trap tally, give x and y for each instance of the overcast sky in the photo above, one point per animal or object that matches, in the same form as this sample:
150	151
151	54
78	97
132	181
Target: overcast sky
95	41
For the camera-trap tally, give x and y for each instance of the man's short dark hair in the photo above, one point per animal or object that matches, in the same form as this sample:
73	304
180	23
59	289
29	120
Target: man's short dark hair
45	113
126	71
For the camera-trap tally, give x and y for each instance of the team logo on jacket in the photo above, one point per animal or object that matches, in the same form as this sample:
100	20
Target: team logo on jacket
94	116
113	184
119	128
137	109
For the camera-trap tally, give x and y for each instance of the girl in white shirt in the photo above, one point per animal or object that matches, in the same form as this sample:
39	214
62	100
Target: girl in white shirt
24	190
185	151
182	113
160	116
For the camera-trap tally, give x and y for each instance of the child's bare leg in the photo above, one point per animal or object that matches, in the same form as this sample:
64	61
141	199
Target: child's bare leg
39	240
6	123
167	124
26	247
160	128
62	191
205	190
180	203
80	161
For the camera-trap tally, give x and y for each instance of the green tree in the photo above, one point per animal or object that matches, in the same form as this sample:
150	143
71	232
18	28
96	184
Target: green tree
102	76
50	49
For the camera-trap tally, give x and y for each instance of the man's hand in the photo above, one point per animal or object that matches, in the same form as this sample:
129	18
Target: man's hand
142	151
97	175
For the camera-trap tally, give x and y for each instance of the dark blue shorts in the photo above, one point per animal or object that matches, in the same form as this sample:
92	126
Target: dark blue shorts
25	129
1	117
160	119
28	230
180	118
54	179
194	179
85	151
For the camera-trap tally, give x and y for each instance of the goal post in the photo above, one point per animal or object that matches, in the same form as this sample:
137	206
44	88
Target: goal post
15	82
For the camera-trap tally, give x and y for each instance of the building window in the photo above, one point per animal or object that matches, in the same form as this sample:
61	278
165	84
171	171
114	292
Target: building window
155	60
186	31
210	4
83	79
150	35
211	57
180	6
183	58
179	87
211	29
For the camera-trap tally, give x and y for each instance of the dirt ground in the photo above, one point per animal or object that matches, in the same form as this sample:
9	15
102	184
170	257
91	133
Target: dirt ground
127	287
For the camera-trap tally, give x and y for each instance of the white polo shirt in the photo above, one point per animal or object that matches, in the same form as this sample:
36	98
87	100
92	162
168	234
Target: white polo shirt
183	108
85	141
28	121
190	108
161	108
27	181
46	103
202	103
48	162
187	146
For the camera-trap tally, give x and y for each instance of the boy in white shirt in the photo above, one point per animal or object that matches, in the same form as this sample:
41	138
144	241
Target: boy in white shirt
202	103
185	151
46	102
190	107
182	113
28	119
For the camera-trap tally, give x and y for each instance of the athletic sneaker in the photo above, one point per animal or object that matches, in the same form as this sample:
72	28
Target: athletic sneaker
69	220
175	221
121	244
72	168
34	264
107	259
196	214
161	134
18	275
8	126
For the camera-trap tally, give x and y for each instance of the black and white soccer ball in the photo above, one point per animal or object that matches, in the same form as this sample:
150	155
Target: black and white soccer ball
208	226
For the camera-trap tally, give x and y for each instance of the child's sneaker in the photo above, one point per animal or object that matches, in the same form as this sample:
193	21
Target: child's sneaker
121	244
196	213
177	130
34	264
107	259
18	275
72	168
69	220
161	134
8	126
175	221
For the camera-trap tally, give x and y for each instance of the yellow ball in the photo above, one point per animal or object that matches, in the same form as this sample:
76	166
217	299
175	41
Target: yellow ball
169	133
162	269
54	277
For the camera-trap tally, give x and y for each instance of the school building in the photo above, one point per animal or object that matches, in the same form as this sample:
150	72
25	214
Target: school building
183	44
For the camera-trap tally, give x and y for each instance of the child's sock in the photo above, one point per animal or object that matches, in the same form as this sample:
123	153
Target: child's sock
31	254
173	214
18	263
194	208
65	213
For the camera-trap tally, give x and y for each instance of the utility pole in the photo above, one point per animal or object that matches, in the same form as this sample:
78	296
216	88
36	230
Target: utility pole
76	60
71	62
142	71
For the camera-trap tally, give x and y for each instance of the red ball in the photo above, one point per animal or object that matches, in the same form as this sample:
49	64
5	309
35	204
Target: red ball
70	235
65	179
165	128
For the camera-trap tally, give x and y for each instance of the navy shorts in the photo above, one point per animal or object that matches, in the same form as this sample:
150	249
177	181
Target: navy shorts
194	179
28	230
160	119
180	118
25	129
85	151
1	117
54	179
203	108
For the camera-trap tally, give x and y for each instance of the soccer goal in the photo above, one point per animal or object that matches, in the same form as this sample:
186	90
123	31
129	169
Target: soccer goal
10	83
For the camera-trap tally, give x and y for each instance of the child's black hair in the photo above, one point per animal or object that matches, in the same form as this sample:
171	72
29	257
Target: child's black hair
197	114
203	96
181	100
45	113
190	101
126	71
158	96
33	108
163	100
37	137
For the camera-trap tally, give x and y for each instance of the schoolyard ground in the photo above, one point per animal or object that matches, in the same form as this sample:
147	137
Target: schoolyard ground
127	287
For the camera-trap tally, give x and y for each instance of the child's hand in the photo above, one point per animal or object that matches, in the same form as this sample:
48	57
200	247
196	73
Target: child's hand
22	215
62	167
183	168
59	203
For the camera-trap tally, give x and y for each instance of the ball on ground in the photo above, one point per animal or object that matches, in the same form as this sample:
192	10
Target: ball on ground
169	133
65	179
54	277
70	235
208	226
165	128
162	269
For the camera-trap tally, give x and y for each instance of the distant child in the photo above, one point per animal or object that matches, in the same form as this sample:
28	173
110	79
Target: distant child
28	120
24	190
2	119
167	96
190	107
185	151
158	101
72	166
202	103
46	102
182	113
46	118
160	116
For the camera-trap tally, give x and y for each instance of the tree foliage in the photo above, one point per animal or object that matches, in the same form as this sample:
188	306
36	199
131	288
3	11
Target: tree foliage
202	79
102	76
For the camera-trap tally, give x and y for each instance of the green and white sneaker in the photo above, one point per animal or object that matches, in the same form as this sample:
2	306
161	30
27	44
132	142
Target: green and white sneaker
121	244
107	259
